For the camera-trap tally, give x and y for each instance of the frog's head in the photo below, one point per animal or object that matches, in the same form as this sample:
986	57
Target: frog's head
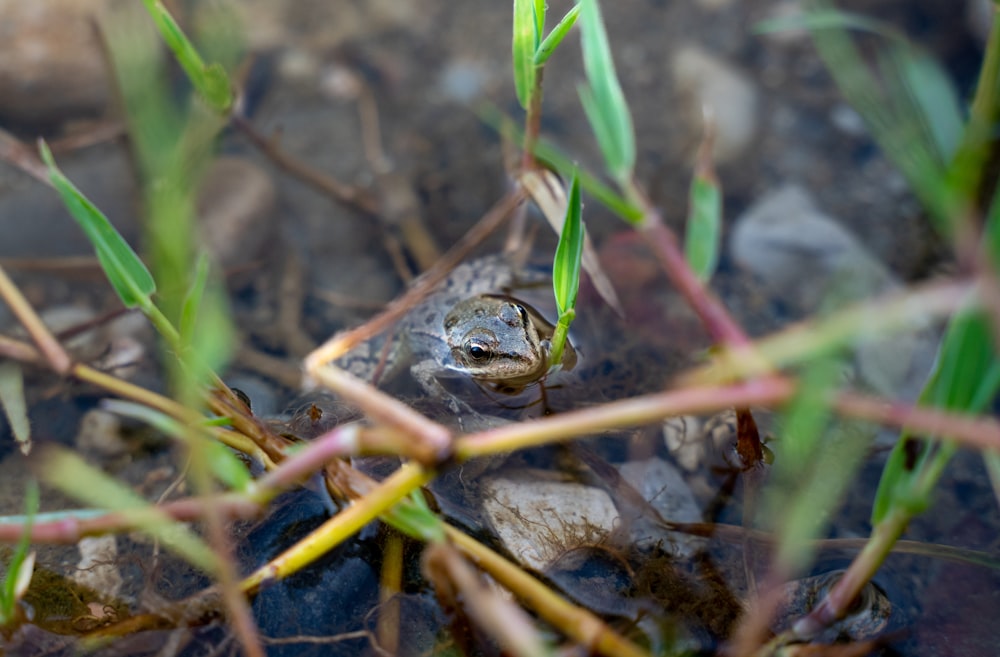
496	339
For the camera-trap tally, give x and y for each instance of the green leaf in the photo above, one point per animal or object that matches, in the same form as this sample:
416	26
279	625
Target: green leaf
125	271
14	405
414	518
895	120
603	100
569	252
701	243
74	477
211	82
826	19
222	462
14	581
934	96
966	377
524	42
555	37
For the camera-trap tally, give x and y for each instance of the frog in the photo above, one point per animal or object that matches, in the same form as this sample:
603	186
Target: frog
468	326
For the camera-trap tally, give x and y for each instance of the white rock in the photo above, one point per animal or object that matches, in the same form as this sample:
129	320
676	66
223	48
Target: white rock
712	85
539	520
96	569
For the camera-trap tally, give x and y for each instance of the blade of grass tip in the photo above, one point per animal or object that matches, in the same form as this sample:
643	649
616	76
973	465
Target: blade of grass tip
67	472
603	100
20	567
934	96
211	82
966	376
555	37
205	324
125	271
14	406
701	240
414	518
566	268
525	40
223	463
826	19
892	119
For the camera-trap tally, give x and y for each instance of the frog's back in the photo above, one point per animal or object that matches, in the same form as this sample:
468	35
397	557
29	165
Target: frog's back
420	334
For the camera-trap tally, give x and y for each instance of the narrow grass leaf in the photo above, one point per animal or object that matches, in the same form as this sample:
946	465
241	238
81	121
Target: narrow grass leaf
69	473
14	405
548	193
211	82
569	252
603	100
125	271
21	564
966	377
226	467
826	19
193	299
555	37
414	518
523	45
934	96
704	222
892	116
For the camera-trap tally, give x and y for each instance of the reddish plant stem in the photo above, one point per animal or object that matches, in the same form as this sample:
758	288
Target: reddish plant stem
972	431
719	324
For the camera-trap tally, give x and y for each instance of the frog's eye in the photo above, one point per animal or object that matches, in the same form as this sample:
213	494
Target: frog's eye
522	313
478	350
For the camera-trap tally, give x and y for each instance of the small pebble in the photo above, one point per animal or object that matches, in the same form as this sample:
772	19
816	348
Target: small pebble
53	66
713	87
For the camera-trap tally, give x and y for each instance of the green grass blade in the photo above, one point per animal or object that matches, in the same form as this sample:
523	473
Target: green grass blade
13	402
211	82
14	580
827	19
896	123
934	96
566	269
222	462
603	100
70	474
555	37
704	222
966	377
524	43
125	271
414	518
569	252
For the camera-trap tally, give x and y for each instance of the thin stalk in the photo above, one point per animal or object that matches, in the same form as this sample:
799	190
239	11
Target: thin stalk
340	527
577	623
57	357
533	123
862	569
